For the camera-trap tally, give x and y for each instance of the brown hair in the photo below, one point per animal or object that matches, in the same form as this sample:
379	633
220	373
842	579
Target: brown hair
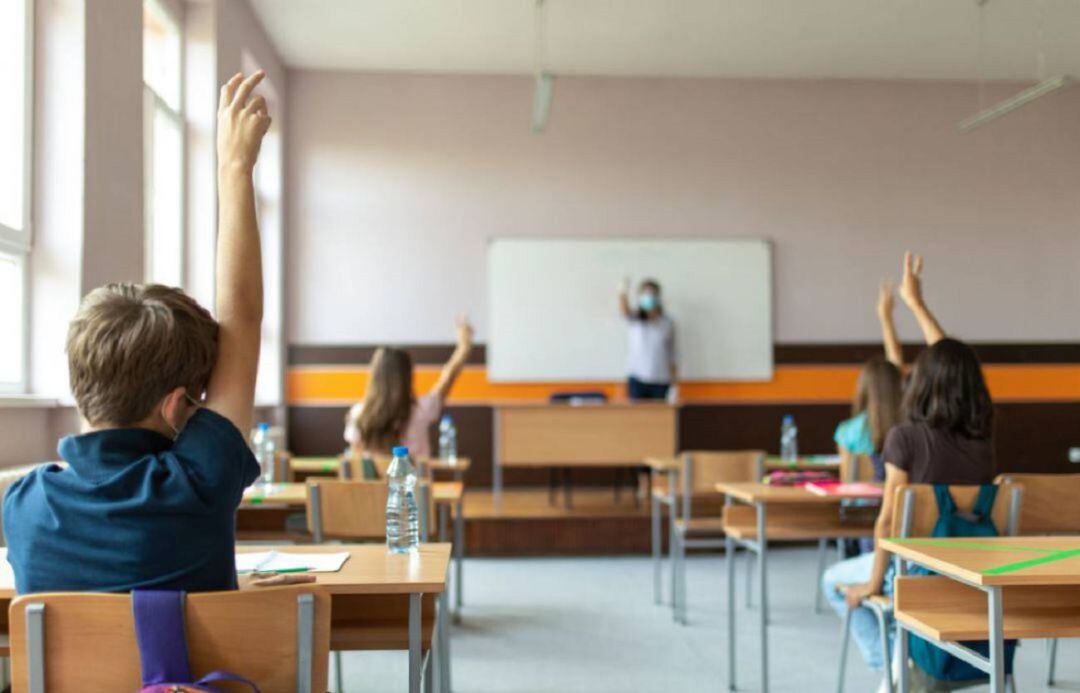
878	393
389	400
948	391
129	345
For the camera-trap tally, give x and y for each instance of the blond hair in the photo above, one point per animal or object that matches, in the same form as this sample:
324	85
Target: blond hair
129	345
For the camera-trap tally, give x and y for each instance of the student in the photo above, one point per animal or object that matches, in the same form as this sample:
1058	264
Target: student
164	392
876	407
391	414
946	439
651	366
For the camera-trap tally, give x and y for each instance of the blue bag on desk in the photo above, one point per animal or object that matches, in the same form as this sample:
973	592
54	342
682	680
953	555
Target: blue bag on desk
952	523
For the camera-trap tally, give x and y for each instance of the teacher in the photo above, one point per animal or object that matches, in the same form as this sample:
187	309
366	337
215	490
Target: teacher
651	368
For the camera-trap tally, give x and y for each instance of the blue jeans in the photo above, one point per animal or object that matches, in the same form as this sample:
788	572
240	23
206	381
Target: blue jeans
864	626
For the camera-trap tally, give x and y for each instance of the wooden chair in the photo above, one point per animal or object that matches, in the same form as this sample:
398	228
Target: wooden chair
915	513
700	473
352	468
356	510
1050	507
64	642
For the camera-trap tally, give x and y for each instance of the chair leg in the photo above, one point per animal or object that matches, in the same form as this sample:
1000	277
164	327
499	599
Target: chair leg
883	629
680	581
844	652
823	548
656	551
339	678
749	579
1051	661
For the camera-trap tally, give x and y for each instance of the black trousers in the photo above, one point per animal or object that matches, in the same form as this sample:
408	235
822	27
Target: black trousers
639	390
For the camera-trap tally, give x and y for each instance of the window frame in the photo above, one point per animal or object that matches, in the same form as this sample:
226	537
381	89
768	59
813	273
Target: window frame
154	103
19	243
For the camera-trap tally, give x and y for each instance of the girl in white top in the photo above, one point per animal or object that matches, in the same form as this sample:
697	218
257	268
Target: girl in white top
651	366
391	414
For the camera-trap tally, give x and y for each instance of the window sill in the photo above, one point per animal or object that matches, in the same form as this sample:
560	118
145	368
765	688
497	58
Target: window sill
27	402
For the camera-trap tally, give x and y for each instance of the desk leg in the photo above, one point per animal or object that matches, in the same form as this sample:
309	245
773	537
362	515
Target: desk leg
459	556
997	640
416	653
443	510
671	531
444	642
903	680
729	559
654	517
763	588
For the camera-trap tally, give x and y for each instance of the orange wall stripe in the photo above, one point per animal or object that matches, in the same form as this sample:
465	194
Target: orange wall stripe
326	385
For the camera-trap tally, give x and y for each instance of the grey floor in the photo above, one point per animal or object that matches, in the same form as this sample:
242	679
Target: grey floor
589	624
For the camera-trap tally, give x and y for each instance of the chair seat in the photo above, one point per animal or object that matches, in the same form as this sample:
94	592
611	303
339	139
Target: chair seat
701	526
881	601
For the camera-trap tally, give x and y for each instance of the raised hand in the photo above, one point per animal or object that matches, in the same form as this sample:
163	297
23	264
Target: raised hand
242	122
885	298
624	286
911	284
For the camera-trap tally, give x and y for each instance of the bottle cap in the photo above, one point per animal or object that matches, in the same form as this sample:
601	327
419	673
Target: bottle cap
788	418
401	451
264	426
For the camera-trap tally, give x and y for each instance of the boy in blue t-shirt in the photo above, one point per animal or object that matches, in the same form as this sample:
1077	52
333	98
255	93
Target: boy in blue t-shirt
150	492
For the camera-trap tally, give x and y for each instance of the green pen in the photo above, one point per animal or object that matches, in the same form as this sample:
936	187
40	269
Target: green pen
291	570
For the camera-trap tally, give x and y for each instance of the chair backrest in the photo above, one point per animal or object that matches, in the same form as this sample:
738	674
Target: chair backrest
915	512
357	509
1050	502
702	470
857	468
277	637
352	468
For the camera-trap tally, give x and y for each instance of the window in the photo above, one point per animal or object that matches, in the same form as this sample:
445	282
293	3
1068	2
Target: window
164	144
16	84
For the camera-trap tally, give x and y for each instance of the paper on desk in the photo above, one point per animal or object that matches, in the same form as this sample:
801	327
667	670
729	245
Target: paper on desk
272	561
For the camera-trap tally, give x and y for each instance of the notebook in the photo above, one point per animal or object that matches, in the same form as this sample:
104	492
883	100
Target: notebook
855	490
276	562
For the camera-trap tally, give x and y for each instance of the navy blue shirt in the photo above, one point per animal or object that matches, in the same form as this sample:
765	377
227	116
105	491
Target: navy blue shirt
133	509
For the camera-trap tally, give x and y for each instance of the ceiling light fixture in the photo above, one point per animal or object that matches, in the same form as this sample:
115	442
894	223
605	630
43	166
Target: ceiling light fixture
1044	87
544	89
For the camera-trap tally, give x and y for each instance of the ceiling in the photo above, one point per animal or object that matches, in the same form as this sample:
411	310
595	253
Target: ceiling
875	39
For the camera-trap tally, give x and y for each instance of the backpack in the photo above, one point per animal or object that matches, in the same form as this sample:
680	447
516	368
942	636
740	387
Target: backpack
159	631
977	522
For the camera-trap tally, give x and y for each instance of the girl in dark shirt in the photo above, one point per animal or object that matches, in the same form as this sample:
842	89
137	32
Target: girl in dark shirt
945	439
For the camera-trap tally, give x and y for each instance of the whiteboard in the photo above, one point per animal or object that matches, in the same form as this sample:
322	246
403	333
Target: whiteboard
554	312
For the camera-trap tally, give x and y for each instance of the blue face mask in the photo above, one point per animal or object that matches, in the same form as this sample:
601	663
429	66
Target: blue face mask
648	302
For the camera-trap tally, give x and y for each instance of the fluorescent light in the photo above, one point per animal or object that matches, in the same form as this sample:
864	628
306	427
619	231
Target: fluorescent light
542	95
1012	103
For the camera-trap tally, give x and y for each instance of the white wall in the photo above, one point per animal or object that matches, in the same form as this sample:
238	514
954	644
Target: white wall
397	182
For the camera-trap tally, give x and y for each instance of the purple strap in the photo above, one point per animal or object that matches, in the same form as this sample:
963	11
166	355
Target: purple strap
159	631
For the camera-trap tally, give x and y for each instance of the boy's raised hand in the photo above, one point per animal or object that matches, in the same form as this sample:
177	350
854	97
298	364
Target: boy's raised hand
242	122
911	284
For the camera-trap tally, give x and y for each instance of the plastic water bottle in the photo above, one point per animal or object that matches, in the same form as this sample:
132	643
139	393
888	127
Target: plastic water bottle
402	515
789	440
263	447
447	439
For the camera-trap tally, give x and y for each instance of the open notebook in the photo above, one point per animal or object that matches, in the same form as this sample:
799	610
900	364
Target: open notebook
276	562
853	490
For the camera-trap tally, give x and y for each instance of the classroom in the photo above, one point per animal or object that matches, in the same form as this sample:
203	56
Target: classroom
530	346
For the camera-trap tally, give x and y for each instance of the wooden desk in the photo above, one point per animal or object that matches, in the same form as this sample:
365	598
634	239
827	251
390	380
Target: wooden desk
379	600
794	514
818	463
302	467
987	589
448	497
614	435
